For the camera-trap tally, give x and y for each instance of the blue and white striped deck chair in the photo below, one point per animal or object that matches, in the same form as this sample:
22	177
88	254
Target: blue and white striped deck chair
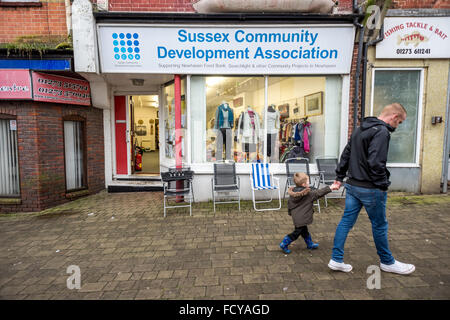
263	180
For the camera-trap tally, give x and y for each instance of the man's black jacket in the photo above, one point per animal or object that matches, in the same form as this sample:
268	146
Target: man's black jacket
365	155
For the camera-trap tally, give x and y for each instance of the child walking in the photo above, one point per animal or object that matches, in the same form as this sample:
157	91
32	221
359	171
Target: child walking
300	207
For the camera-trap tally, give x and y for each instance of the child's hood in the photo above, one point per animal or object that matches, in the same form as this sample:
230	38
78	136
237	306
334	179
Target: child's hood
298	191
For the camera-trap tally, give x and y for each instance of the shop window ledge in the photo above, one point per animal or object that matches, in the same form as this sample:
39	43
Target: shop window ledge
10	201
77	194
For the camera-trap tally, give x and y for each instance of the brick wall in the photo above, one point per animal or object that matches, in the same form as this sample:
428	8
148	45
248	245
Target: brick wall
41	152
49	19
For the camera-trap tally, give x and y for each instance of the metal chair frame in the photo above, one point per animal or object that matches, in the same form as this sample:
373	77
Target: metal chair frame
216	187
290	176
326	174
172	191
269	187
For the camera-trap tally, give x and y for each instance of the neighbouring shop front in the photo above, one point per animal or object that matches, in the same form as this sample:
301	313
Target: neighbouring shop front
195	94
411	66
51	138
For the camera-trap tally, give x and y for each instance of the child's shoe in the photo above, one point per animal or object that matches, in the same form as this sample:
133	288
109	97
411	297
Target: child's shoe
284	244
310	244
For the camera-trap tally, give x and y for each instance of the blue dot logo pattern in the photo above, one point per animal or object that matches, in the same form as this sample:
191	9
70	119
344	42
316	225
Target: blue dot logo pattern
126	46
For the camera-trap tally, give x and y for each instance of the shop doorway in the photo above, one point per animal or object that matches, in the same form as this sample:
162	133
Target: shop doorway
144	132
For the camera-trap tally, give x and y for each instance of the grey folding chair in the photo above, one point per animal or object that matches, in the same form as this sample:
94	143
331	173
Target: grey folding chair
294	165
327	170
225	181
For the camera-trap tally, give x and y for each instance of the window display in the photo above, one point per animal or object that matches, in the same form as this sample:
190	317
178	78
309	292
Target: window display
223	123
229	115
303	133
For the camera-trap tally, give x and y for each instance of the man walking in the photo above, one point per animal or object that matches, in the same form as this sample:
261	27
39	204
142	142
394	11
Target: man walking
365	158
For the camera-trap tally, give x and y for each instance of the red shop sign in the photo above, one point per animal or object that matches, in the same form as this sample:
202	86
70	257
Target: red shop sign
51	88
15	84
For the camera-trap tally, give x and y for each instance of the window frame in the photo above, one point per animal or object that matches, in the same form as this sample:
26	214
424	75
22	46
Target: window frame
84	139
416	163
170	162
4	116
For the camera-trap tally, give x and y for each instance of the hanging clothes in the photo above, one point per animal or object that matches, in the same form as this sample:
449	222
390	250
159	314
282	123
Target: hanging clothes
306	135
249	127
224	117
273	121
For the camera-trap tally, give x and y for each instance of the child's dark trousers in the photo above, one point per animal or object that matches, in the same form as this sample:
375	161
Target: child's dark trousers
301	231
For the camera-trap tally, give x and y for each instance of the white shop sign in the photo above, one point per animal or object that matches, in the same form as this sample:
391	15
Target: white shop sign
226	50
415	38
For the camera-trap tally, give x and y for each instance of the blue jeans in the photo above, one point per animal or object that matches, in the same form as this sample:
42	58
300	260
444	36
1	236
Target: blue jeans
374	201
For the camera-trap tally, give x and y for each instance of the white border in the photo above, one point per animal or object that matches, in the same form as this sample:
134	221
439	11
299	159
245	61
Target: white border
415	164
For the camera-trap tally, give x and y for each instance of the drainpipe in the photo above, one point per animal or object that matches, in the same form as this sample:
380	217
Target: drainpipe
364	75
446	137
358	73
68	16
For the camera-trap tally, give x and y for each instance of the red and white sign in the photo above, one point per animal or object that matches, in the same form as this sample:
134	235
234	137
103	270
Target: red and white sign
415	38
15	84
51	88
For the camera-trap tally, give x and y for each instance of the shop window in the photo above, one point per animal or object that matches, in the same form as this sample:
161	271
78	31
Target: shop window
74	154
402	86
230	115
169	119
227	118
9	163
309	111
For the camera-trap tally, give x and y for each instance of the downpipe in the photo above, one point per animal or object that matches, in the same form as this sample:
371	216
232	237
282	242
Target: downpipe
364	75
358	73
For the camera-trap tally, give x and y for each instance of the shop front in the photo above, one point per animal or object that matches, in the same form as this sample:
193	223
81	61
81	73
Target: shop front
196	94
192	89
51	138
411	66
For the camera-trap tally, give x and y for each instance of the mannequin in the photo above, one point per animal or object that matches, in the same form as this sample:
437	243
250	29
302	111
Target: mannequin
248	130
224	123
273	128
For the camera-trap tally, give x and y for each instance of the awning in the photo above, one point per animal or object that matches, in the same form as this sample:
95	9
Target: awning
221	6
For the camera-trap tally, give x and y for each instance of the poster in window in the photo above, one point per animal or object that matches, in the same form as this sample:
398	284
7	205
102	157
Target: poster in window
283	109
314	104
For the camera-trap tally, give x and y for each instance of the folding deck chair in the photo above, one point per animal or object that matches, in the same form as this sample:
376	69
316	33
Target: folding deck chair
263	180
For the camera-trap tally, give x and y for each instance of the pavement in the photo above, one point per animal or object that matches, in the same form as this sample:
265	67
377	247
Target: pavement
125	249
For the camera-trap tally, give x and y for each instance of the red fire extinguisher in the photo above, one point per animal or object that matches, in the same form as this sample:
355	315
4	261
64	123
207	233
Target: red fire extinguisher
138	159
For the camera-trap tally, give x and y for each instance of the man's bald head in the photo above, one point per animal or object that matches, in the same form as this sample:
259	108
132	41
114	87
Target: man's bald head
394	108
393	114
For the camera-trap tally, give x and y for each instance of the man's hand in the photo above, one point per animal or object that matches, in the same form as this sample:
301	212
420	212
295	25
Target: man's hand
336	185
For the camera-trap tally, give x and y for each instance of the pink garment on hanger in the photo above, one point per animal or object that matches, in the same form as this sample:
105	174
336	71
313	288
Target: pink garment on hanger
306	133
252	120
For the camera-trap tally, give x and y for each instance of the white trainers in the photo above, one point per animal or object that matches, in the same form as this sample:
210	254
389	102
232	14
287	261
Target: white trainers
339	266
398	267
